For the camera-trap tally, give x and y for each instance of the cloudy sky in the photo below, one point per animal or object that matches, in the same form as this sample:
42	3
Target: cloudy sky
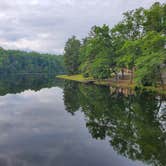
45	25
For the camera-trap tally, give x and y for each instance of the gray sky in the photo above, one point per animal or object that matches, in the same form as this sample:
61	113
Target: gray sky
45	25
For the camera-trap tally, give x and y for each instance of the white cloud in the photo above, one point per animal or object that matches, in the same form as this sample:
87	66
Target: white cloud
44	26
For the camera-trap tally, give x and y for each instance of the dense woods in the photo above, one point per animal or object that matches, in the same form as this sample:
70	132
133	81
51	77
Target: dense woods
136	43
20	62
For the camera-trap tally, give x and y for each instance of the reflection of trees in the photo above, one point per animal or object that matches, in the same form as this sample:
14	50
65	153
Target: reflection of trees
19	83
130	122
71	99
137	133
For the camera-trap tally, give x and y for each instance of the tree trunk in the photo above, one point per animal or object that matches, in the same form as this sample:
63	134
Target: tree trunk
122	71
132	75
116	77
161	79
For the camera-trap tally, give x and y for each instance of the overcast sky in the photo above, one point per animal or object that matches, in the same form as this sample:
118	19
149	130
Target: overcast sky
45	25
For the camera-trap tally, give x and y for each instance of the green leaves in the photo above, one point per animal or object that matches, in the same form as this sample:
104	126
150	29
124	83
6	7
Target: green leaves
96	52
137	42
152	57
71	55
156	18
14	61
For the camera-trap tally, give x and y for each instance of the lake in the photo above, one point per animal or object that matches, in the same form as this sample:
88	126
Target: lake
46	122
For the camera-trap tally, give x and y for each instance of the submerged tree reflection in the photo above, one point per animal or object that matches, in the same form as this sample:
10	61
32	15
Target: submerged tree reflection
17	83
131	122
71	99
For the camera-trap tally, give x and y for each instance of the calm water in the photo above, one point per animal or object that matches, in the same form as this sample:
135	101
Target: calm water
47	122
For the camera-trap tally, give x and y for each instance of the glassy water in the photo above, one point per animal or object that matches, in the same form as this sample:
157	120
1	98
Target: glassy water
48	122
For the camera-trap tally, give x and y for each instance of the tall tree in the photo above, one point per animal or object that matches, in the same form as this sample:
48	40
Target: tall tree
96	53
150	63
156	18
71	56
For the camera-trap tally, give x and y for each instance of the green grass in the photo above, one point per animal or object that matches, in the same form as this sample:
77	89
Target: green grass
77	77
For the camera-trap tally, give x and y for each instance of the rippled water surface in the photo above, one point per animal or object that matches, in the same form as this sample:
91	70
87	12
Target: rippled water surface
48	122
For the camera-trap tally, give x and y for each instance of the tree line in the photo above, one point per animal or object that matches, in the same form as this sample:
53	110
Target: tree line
21	62
137	42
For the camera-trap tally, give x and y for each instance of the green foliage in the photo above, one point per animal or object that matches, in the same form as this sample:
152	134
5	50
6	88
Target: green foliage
128	54
14	61
71	55
100	68
156	18
96	53
137	42
152	57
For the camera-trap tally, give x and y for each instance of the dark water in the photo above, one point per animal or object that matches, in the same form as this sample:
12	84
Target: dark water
47	122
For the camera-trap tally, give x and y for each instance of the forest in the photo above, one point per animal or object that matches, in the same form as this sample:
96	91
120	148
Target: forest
137	44
21	62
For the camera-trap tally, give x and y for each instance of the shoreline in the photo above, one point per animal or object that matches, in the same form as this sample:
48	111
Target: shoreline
120	83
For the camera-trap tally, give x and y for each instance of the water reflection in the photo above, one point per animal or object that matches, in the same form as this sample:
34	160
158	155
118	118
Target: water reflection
133	122
45	122
18	83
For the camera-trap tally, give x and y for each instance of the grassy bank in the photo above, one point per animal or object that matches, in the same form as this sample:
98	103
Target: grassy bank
81	78
120	83
78	78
